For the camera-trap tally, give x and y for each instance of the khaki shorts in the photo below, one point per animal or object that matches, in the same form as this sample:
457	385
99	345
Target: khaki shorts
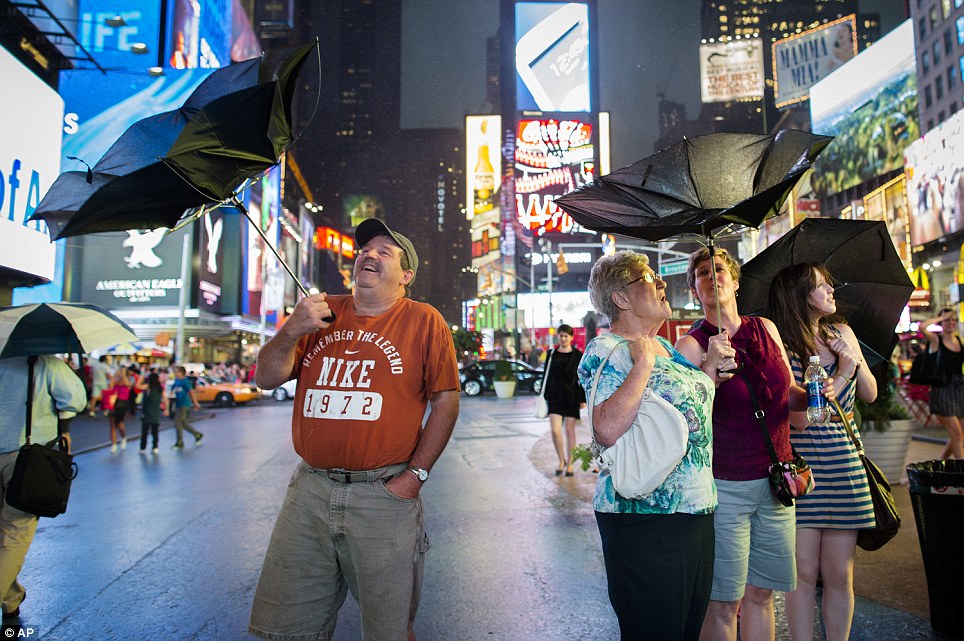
332	537
755	540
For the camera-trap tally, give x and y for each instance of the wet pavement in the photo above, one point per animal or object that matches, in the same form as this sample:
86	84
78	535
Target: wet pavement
170	546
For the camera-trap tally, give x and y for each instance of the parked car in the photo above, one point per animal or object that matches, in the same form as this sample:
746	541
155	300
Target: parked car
221	393
478	377
282	393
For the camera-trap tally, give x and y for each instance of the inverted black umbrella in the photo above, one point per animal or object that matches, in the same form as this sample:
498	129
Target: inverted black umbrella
871	284
59	328
697	185
233	127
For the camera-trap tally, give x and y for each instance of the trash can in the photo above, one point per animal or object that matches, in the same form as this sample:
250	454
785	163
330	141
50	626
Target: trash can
937	495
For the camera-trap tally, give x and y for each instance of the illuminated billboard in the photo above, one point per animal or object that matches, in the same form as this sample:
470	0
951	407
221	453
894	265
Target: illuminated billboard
552	56
199	34
358	207
263	200
935	181
552	157
870	106
128	269
111	46
731	70
483	162
30	126
803	59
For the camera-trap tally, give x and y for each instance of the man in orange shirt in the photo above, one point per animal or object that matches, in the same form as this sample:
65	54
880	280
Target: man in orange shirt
368	365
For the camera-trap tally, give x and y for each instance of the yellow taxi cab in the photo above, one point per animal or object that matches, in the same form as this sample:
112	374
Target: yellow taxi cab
212	390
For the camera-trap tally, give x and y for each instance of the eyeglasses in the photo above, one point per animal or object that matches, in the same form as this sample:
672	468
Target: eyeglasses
648	277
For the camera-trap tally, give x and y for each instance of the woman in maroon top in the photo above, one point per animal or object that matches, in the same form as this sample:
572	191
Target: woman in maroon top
755	533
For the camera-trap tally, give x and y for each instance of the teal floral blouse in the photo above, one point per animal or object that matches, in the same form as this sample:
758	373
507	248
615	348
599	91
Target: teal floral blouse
690	487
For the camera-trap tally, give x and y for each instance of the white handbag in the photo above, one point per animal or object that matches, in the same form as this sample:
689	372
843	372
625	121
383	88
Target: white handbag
649	450
542	405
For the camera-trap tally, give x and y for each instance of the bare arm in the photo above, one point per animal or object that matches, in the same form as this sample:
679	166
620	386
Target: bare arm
277	358
432	441
797	395
933	338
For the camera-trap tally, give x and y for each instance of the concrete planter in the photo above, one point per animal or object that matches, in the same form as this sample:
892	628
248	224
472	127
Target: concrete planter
888	449
504	389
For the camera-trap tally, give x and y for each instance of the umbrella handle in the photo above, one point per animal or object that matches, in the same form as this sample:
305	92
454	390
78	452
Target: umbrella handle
244	210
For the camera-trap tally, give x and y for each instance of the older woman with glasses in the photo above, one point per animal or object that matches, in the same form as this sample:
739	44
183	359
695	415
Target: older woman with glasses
947	400
755	533
658	549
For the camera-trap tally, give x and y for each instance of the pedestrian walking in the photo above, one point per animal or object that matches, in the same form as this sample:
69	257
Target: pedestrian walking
184	399
352	518
120	394
57	394
802	306
565	397
658	549
100	376
152	404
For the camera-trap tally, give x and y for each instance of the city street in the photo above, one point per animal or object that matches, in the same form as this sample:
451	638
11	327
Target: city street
170	546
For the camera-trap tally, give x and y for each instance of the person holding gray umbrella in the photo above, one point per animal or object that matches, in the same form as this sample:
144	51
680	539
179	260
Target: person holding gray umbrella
754	531
57	394
802	306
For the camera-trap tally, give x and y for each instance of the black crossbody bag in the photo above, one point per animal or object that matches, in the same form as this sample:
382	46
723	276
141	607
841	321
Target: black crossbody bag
42	475
788	479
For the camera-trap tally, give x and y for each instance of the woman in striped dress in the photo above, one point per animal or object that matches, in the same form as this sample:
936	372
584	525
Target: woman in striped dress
802	306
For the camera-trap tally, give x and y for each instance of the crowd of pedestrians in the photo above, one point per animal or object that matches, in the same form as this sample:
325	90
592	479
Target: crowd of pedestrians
125	391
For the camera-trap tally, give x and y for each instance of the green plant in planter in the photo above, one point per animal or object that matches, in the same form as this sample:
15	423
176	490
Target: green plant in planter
503	371
882	411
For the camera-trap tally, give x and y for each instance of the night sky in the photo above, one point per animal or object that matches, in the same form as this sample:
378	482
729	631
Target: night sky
646	47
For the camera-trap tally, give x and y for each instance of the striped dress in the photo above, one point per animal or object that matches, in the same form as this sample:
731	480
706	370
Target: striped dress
840	499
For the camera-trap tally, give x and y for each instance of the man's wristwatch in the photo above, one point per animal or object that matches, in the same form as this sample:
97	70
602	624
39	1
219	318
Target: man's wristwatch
420	472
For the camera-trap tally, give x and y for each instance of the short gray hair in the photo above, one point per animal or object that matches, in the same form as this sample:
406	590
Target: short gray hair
610	274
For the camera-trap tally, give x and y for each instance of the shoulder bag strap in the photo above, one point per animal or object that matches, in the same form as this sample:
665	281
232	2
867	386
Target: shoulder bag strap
592	394
545	375
850	432
759	415
31	361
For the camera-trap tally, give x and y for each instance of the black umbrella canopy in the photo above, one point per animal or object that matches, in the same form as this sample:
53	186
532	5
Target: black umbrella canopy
871	285
234	126
697	185
59	328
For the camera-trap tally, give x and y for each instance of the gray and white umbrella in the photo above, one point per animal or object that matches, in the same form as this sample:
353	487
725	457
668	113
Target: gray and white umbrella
59	328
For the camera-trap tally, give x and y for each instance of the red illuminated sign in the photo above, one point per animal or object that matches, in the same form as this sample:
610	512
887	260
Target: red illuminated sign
552	157
335	241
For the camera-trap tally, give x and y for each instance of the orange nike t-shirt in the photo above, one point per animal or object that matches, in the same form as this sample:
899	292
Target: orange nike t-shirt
364	383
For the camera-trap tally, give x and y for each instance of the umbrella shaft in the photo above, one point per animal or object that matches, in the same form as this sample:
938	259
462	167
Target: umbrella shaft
257	227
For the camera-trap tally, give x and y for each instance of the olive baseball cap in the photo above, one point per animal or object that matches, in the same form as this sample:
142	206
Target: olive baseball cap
371	227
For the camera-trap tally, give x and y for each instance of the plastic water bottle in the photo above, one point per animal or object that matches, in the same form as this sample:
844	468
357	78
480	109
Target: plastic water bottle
815	378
